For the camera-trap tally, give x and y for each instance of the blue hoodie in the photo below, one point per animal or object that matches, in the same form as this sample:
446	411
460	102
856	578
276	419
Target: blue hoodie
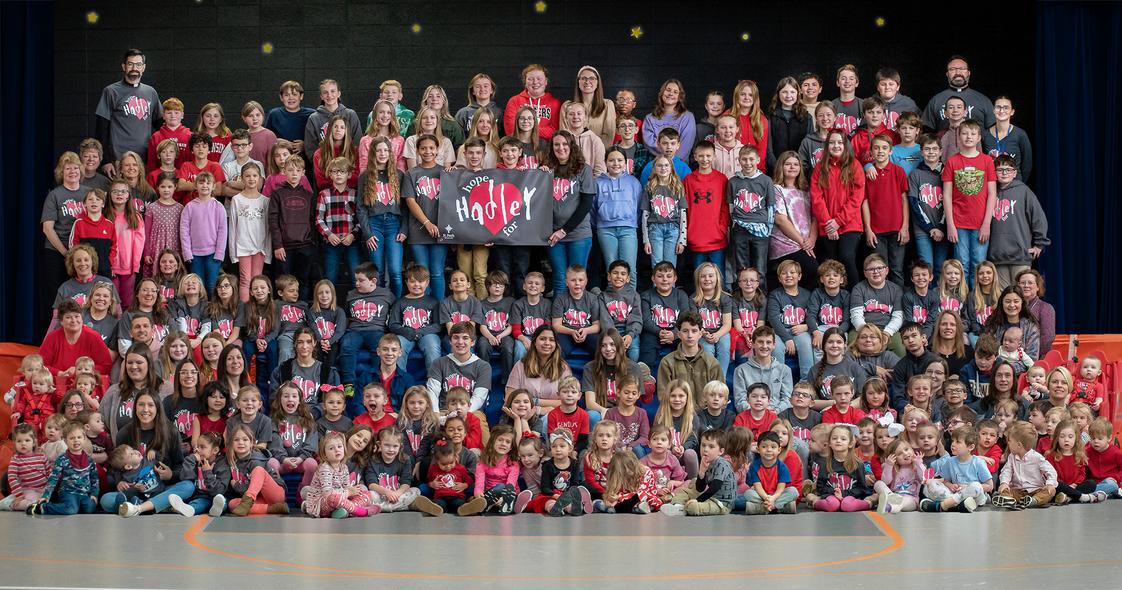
617	201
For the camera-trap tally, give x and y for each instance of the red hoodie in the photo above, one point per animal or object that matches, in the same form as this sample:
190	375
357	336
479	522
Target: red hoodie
747	137
181	135
863	140
707	217
547	107
1105	464
837	202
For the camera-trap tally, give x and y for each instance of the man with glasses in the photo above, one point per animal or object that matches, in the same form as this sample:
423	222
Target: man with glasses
1019	230
128	112
978	105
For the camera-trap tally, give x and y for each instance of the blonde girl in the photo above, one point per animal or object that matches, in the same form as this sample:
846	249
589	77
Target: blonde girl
331	492
419	422
599	456
953	289
901	481
496	473
260	487
1068	456
428	122
715	308
434	97
677	411
188	309
630	487
224	309
328	320
383	123
982	299
664	213
930	443
212	121
841	481
913	419
484	127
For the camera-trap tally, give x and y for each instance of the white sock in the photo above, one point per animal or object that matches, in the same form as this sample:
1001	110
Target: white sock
1085	498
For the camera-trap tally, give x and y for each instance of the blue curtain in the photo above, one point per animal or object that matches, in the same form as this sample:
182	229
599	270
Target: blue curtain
1078	92
27	121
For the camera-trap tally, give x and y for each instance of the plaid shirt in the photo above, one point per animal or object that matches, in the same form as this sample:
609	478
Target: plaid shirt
335	212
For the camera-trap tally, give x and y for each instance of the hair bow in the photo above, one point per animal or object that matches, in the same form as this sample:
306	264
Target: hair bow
326	388
530	434
442	442
556	436
894	429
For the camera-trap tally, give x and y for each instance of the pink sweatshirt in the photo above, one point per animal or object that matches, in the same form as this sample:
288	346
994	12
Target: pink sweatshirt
202	229
487	477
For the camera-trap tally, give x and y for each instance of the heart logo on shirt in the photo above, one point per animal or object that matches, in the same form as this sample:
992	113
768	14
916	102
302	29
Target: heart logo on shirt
495	205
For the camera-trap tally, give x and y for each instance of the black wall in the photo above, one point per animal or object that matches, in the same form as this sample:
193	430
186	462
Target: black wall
209	50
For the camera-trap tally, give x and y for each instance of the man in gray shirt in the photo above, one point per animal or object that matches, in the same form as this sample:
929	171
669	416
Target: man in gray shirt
978	106
128	112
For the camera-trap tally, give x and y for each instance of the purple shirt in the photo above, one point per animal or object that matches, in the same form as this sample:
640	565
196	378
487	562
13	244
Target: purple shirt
202	229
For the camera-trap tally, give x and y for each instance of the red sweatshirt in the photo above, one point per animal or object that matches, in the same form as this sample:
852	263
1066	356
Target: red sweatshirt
1105	464
837	202
885	195
747	137
59	355
547	107
474	437
707	221
1067	470
181	135
863	139
102	236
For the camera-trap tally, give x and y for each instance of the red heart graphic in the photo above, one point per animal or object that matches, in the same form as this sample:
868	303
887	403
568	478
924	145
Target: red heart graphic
495	205
561	188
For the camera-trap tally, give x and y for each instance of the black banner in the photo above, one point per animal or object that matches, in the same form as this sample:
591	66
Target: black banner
509	207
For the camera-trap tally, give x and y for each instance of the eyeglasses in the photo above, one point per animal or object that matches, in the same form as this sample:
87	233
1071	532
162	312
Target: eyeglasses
119	191
800	394
76	404
134	65
239	145
751	281
586	79
958	69
1005	170
625	100
1002	107
876	269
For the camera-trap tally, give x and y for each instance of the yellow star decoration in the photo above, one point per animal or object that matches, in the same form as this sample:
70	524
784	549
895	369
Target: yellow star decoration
267	48
880	22
92	17
540	6
636	32
416	28
745	36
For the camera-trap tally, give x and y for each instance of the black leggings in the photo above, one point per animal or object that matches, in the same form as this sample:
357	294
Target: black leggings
844	250
1087	487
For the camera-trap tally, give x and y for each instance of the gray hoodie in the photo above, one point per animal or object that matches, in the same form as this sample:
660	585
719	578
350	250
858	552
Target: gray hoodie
1018	224
811	151
207	483
777	376
317	124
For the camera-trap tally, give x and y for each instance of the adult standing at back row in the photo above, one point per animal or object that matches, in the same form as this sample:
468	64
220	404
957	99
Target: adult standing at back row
128	112
978	105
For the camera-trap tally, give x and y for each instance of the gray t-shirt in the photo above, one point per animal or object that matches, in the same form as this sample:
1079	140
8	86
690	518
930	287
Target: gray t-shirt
422	185
578	313
63	206
130	111
566	198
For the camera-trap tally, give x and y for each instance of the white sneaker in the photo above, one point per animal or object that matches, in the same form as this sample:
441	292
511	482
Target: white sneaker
128	510
672	509
970	504
896	503
178	505
882	501
218	506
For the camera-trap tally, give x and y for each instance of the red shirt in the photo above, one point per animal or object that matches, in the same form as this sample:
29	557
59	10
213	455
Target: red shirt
969	177
748	137
885	195
1043	445
188	171
708	225
60	355
832	416
1088	392
795	466
757	427
385	421
445	480
1105	464
474	437
1067	470
577	422
837	202
863	142
181	135
994	453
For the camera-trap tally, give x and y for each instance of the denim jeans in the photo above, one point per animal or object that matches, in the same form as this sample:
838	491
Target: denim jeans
664	242
804	349
619	243
285	349
71	504
633	352
331	256
720	351
200	502
970	252
567	344
930	251
302	263
565	254
207	267
432	257
387	256
113	500
353	341
266	362
651	351
1107	485
430	347
748	250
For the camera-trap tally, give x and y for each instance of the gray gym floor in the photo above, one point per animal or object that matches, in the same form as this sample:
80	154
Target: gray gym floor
1069	547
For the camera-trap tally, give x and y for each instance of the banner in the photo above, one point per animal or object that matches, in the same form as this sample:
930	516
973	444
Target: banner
508	207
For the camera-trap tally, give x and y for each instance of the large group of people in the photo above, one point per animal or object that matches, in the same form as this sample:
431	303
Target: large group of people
201	359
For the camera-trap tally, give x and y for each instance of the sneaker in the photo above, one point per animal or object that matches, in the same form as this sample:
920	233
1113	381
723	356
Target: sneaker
472	506
791	507
882	501
277	508
178	505
1061	499
360	511
372	510
599	506
558	508
217	506
522	500
36	508
895	503
1024	503
969	505
752	509
585	501
926	505
693	508
339	513
641	508
1003	502
428	507
672	510
128	510
1098	497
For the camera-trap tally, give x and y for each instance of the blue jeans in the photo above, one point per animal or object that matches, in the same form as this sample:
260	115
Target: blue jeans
930	251
633	353
804	348
716	257
1107	485
640	451
619	243
285	349
430	347
71	504
200	502
720	351
567	344
664	242
565	254
207	268
113	500
970	252
266	362
387	256
651	351
432	257
352	342
331	256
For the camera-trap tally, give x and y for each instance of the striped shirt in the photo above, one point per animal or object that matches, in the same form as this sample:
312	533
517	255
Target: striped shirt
28	472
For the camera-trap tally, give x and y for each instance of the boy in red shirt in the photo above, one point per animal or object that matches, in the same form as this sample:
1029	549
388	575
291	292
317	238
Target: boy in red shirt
374	399
987	448
95	229
199	145
969	196
873	108
568	414
535	80
172	128
707	230
1104	460
842	412
758	417
885	208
